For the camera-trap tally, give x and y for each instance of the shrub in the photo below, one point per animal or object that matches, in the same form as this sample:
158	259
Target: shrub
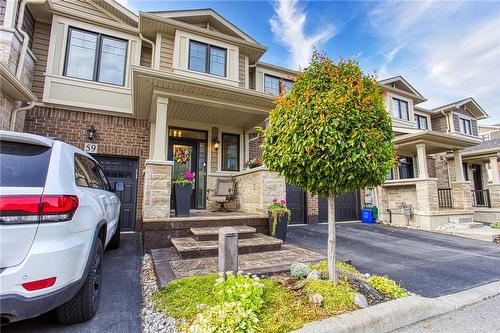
224	318
387	286
245	289
299	270
495	225
337	298
322	267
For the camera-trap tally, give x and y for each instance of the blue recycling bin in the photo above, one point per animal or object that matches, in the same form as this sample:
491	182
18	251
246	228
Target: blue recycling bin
367	215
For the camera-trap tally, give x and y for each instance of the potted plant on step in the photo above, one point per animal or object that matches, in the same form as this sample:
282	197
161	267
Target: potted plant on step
279	216
183	188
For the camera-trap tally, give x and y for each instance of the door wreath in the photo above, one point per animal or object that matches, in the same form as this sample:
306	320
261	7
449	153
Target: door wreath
182	155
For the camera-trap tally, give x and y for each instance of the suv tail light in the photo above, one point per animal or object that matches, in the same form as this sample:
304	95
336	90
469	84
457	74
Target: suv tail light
37	208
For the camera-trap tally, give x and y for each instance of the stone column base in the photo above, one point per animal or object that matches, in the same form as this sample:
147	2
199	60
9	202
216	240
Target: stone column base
157	190
494	194
462	195
427	196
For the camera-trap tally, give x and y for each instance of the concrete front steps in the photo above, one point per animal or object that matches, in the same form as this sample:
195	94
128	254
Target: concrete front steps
467	228
203	242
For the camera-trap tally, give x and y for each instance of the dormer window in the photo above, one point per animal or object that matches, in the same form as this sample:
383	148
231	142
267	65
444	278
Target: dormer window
207	58
400	109
465	126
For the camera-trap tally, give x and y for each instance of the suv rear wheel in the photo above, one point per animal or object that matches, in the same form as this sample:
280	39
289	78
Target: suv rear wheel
83	306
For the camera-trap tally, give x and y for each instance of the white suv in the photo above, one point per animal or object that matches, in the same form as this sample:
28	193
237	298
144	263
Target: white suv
57	214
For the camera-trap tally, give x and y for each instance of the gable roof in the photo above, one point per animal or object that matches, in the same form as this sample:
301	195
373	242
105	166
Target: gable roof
202	16
470	104
118	10
399	83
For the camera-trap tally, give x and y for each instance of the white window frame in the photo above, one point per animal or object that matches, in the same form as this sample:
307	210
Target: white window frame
427	118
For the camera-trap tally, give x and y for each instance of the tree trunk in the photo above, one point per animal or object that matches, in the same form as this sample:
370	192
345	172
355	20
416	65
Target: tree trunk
331	239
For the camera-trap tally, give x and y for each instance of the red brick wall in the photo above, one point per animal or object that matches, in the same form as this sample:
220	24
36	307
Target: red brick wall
116	136
254	146
312	209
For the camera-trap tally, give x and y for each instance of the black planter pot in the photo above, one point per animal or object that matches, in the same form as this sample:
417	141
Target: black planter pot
183	199
281	226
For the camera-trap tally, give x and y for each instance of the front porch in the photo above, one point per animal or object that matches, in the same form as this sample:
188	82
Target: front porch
215	124
434	200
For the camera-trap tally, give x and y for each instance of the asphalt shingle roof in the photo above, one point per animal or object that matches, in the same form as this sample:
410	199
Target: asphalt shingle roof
495	143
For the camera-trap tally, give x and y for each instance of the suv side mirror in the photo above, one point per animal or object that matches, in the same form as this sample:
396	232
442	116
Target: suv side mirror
119	187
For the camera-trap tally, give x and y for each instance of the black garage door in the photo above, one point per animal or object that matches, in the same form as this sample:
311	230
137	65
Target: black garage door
119	169
295	200
347	207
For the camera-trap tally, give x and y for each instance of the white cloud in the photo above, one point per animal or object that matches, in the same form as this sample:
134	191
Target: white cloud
451	52
288	25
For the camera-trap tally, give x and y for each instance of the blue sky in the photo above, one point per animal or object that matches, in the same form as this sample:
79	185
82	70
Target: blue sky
447	50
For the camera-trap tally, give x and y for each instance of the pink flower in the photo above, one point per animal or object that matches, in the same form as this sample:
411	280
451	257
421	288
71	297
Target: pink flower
275	200
283	202
189	175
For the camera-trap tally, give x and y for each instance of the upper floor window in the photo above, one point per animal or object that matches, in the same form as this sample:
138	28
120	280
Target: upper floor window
207	58
400	109
96	57
421	122
275	85
486	137
465	126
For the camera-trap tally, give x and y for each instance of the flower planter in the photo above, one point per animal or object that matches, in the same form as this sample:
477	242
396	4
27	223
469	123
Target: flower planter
281	226
183	199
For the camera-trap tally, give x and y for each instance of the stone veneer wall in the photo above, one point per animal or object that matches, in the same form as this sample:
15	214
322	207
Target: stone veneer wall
494	195
6	106
461	193
157	191
256	188
116	136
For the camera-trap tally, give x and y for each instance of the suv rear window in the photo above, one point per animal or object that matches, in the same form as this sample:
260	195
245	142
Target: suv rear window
23	165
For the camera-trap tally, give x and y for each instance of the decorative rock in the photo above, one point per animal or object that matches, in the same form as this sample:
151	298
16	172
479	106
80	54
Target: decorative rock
314	275
316	299
360	300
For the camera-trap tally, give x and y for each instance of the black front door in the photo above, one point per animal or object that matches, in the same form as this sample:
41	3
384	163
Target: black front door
119	169
181	168
478	185
347	207
295	200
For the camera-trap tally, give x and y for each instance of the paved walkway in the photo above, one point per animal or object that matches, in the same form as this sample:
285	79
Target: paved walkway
425	263
477	318
120	305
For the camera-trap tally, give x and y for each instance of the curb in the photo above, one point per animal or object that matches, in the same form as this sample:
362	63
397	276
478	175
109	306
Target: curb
389	316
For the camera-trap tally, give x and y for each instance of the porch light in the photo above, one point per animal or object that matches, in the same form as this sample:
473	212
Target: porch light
216	145
91	132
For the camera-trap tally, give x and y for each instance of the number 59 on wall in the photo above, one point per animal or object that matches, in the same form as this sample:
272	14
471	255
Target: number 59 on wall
90	148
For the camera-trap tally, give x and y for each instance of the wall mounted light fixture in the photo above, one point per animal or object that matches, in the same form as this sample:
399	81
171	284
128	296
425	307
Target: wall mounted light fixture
91	131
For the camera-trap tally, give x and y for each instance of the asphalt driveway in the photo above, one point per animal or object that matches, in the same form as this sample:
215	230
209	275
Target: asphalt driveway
425	263
120	305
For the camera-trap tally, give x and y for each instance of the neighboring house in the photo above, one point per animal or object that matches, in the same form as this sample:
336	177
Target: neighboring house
489	132
137	87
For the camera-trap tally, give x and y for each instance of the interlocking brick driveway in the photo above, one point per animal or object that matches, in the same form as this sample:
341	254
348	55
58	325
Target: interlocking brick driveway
426	263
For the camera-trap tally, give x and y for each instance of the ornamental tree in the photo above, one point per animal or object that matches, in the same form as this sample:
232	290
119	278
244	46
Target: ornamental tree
330	134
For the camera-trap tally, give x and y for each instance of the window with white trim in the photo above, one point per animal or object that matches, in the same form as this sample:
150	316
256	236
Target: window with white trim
275	85
96	57
486	137
400	109
465	126
421	122
207	58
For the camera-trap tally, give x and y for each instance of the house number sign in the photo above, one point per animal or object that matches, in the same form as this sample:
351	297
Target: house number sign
90	148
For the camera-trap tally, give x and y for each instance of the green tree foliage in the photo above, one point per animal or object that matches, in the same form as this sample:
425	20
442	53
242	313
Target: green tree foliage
331	132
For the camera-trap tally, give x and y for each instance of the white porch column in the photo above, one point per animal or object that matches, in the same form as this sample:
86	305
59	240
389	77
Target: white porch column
161	137
423	173
459	170
494	170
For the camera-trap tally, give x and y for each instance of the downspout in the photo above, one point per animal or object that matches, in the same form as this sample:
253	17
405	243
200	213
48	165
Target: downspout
13	115
447	121
26	38
152	48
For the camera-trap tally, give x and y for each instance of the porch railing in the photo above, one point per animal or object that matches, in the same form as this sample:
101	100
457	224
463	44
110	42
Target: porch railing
445	199
481	198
